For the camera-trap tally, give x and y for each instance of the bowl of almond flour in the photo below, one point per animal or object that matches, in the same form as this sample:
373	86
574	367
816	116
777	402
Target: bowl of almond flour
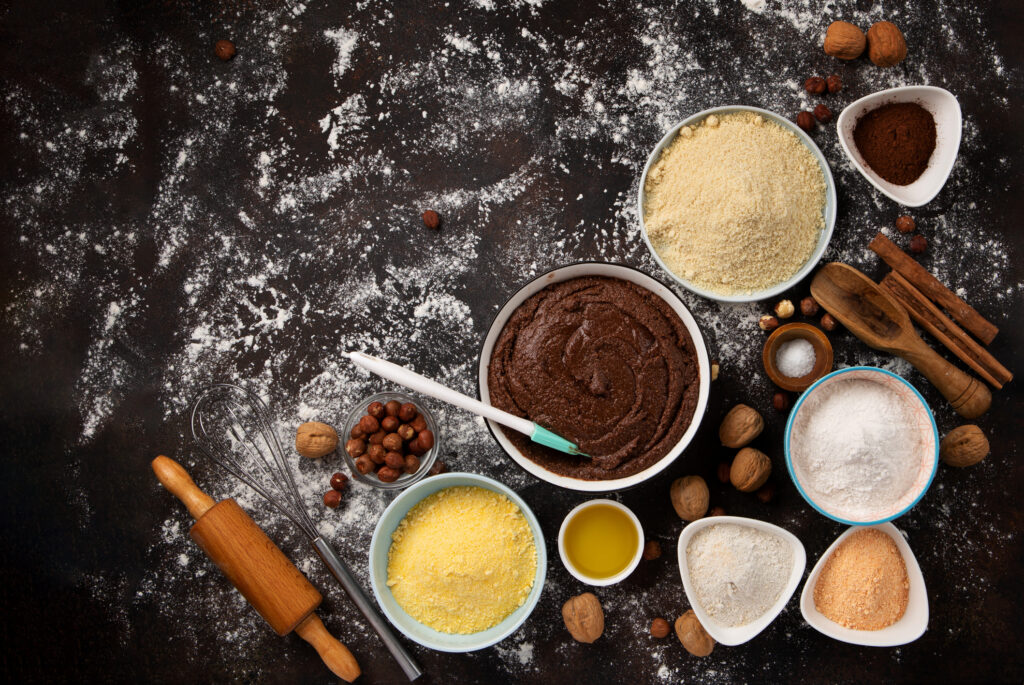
737	204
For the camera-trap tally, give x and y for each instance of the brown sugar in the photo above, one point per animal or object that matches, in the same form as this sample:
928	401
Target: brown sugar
864	583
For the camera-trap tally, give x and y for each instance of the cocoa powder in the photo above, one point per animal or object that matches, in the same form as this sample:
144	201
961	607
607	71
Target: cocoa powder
896	141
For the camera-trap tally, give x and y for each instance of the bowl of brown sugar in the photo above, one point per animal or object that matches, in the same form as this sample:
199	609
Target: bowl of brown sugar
904	141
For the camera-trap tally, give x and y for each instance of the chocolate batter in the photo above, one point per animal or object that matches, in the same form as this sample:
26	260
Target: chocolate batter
602	362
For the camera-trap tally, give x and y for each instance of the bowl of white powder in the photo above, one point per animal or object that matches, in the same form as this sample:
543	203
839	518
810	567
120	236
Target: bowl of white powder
738	574
862	446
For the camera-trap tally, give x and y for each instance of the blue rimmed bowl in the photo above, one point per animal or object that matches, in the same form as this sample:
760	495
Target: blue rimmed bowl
380	545
923	423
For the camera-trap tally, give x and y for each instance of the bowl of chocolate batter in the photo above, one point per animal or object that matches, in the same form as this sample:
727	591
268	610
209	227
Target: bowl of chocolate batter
606	356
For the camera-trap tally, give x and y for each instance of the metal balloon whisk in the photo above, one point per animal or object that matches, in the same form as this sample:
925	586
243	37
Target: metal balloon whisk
231	425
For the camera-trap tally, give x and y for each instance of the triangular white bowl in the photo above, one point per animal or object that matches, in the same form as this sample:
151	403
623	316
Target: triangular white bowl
946	111
737	635
907	629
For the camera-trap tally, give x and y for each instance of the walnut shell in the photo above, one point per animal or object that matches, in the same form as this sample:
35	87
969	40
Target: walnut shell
964	446
584	617
693	636
844	40
314	439
750	469
741	425
690	497
886	45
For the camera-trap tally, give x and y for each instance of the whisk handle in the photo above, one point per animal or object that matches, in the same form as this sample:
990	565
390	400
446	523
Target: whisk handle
355	592
175	478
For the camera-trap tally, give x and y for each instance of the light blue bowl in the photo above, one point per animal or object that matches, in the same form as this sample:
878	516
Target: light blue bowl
926	424
381	544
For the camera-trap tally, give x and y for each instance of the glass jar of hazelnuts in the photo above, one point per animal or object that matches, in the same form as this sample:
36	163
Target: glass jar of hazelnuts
404	431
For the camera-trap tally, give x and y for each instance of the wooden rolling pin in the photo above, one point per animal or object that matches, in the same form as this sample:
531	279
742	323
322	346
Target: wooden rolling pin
257	567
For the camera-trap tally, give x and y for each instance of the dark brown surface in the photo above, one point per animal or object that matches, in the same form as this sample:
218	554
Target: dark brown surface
93	589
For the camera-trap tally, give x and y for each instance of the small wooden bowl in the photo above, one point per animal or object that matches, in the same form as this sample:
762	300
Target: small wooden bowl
792	331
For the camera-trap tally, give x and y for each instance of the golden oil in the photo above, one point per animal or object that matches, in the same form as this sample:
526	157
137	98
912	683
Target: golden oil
600	541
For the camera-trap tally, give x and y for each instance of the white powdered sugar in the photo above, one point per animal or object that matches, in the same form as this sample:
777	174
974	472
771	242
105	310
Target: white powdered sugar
738	572
854	450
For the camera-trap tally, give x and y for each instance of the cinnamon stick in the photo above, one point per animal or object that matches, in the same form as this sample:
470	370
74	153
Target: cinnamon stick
928	316
907	267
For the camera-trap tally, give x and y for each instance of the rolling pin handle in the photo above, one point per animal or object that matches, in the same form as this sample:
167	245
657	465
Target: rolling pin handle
334	654
175	478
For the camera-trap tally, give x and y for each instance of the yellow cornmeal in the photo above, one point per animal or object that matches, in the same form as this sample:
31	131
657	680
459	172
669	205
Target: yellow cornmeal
462	560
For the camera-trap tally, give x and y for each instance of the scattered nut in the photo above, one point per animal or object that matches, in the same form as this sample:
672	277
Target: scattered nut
828	323
809	306
766	494
438	467
905	224
332	498
741	425
716	511
886	45
822	114
805	120
584	617
314	439
844	40
338	481
750	469
918	244
780	401
768	323
652	550
355	448
692	635
815	85
834	84
690	497
660	628
224	49
784	309
431	219
723	472
714	370
964	446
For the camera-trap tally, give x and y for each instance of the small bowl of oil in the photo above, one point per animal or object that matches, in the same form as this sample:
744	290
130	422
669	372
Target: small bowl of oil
601	542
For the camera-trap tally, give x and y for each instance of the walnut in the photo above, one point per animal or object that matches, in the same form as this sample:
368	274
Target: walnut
964	446
750	469
741	425
690	497
844	40
693	636
886	45
314	440
584	617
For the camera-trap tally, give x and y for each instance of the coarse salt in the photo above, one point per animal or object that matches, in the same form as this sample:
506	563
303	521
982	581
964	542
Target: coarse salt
795	358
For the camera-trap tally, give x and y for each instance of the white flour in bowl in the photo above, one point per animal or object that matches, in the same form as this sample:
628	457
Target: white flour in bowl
855	449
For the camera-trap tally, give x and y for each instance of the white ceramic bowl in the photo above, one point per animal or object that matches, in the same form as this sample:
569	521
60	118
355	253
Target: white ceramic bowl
625	273
380	545
737	635
924	423
830	204
611	580
943	106
907	629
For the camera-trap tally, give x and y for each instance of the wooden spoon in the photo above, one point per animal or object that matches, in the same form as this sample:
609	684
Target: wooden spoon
881	322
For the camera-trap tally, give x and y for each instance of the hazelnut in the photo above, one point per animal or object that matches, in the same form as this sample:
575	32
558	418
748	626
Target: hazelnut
419	423
395	460
815	85
412	463
355	448
392	407
377	438
389	424
844	40
690	497
437	467
431	219
723	473
224	49
964	446
716	511
314	439
750	469
407	412
768	323
392	442
780	401
406	431
368	424
652	550
918	244
828	323
805	120
766	494
692	635
376	453
714	370
822	114
357	432
741	425
364	465
784	309
905	224
338	481
660	628
425	439
584	617
834	84
809	306
388	474
332	498
416	448
376	410
886	44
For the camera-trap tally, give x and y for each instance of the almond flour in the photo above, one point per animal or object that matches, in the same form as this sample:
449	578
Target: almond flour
735	204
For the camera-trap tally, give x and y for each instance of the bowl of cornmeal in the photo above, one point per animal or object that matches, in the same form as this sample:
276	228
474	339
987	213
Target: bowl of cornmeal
737	204
457	562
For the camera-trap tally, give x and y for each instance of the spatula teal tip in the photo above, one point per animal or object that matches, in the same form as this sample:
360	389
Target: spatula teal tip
543	436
